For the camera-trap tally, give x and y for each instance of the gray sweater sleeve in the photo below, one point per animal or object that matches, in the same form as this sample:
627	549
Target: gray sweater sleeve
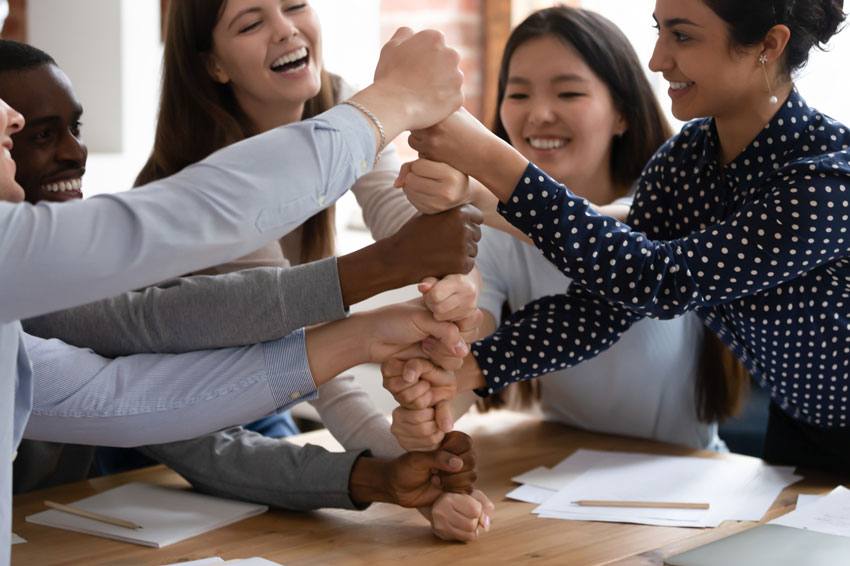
194	313
241	464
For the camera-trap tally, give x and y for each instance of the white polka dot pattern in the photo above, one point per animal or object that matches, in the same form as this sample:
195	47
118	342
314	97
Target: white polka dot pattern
758	248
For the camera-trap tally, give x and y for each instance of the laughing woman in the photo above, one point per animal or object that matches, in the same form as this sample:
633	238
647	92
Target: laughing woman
742	217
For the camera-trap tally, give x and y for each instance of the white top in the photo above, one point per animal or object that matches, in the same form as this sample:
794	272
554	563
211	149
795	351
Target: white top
642	386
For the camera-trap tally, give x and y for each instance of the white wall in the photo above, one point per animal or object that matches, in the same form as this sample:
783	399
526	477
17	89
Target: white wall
823	83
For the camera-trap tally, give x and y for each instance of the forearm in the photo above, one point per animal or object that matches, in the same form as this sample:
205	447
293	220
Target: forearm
366	273
369	480
195	313
337	346
82	398
241	464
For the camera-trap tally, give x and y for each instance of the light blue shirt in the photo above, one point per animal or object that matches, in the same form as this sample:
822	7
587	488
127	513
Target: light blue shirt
58	256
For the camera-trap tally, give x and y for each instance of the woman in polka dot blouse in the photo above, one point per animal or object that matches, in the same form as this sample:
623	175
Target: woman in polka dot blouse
741	217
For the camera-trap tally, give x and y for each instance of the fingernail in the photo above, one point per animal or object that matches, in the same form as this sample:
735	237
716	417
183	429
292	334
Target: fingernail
456	463
427	348
460	348
445	425
409	375
486	523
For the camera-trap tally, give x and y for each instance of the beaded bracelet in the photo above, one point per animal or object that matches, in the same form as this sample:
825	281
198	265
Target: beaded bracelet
375	120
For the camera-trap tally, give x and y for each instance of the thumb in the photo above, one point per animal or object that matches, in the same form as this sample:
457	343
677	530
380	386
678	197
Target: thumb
441	460
427	284
402	174
443	417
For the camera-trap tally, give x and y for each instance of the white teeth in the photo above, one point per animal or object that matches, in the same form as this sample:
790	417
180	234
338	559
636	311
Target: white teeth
546	143
6	153
290	57
70	185
676	85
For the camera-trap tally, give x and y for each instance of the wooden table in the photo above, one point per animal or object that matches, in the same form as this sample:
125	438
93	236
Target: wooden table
507	443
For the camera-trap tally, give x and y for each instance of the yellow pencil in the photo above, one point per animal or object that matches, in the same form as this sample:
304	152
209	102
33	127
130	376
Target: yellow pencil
92	515
647	504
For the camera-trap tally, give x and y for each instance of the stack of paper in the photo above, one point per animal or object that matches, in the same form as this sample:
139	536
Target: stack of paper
165	515
741	489
829	514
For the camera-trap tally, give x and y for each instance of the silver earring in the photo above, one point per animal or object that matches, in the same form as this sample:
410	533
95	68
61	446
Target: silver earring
763	61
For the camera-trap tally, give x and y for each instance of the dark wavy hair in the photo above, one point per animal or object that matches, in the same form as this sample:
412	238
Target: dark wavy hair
812	24
608	53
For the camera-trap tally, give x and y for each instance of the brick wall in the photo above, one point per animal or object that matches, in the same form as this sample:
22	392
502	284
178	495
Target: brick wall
462	22
16	24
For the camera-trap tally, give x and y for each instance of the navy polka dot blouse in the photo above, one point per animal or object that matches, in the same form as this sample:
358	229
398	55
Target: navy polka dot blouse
759	248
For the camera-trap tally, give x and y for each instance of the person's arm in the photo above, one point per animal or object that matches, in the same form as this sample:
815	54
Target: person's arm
241	197
84	398
194	313
241	464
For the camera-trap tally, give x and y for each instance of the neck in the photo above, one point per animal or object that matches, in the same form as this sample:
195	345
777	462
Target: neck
738	129
597	188
266	117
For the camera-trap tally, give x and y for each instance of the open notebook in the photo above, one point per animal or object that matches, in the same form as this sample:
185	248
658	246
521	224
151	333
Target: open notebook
165	515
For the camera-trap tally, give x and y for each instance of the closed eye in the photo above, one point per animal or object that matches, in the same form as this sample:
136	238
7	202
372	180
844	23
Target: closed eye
249	27
517	96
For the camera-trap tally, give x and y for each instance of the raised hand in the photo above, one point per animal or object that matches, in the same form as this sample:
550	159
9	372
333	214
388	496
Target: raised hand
417	82
432	186
452	298
435	245
456	516
418	383
462	480
417	429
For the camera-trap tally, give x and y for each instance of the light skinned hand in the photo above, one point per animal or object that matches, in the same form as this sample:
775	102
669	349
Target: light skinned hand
422	73
418	383
418	429
395	328
452	298
459	141
432	186
435	350
456	516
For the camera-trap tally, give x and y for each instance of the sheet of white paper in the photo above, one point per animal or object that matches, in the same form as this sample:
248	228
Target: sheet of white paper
830	514
201	562
804	499
256	561
166	515
754	499
17	539
531	494
643	477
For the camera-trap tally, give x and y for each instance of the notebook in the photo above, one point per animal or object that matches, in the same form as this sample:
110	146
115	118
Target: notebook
165	515
769	545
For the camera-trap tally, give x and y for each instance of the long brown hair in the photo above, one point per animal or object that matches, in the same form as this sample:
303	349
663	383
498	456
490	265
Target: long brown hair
198	115
722	381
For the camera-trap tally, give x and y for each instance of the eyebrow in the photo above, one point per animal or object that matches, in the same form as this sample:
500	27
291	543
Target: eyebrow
240	14
677	22
78	112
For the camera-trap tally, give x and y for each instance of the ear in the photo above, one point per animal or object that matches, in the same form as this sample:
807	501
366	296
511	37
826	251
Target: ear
216	72
774	42
620	125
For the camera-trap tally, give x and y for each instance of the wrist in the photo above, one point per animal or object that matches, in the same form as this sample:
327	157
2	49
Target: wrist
389	104
365	273
368	481
504	168
469	376
335	347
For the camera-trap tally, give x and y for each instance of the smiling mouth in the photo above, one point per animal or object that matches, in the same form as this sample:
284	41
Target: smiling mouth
546	143
62	186
680	85
291	62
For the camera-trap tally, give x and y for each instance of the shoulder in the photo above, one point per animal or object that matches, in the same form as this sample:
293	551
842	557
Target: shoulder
690	139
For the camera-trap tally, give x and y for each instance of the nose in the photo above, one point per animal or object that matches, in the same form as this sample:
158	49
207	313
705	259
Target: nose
14	119
284	28
72	149
660	60
541	112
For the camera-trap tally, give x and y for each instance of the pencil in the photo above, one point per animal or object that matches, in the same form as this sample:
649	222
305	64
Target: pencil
92	515
647	504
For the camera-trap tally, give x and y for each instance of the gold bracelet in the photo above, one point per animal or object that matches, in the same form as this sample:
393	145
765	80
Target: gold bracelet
375	121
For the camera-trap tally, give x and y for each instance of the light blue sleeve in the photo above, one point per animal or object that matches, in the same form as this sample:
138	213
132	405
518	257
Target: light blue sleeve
56	256
83	398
